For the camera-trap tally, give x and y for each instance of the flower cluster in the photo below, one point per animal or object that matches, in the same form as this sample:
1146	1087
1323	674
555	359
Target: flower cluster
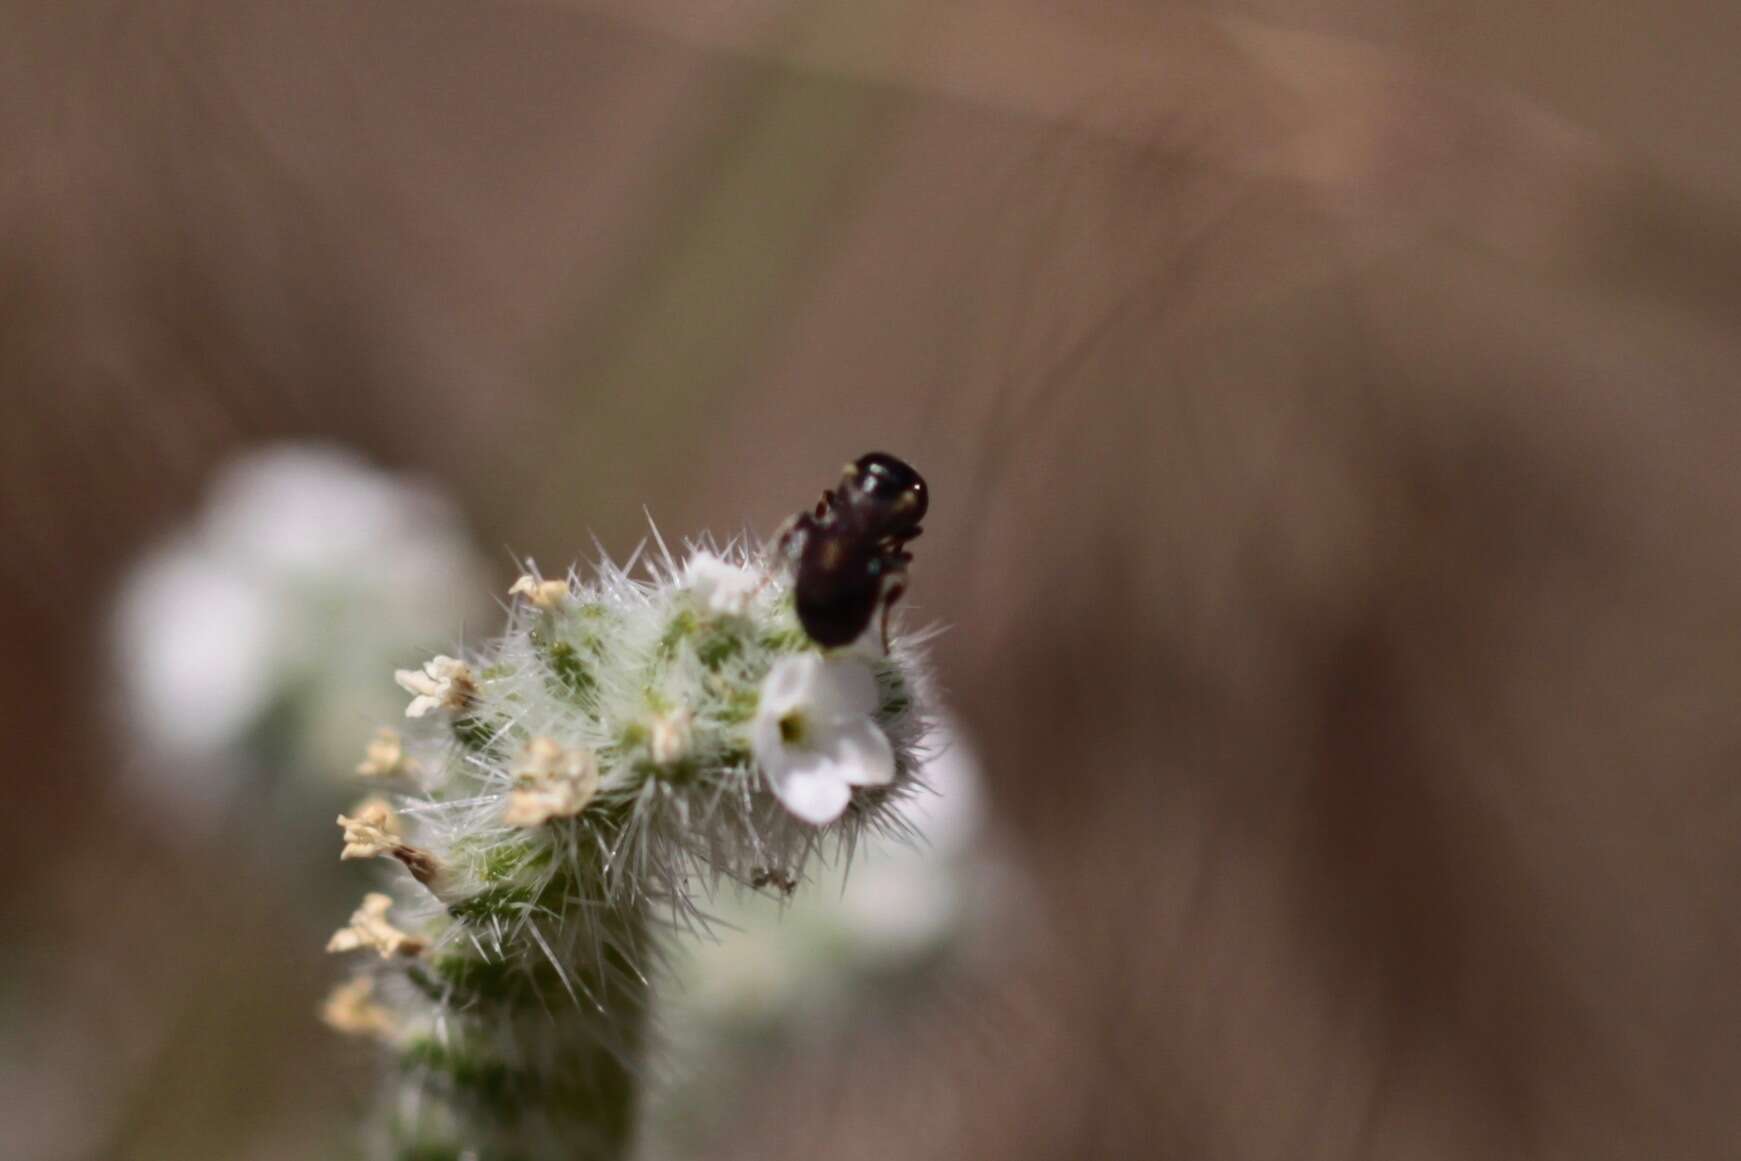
628	744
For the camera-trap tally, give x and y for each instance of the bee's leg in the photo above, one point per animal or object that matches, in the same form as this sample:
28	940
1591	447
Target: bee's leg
824	504
890	546
893	589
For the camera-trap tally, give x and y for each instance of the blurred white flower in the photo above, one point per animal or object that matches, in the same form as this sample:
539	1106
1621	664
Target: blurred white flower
721	587
443	683
257	635
813	736
193	638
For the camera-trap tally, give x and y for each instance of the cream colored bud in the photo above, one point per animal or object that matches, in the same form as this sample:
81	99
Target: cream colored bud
554	782
443	683
545	595
373	830
369	927
385	758
670	736
351	1008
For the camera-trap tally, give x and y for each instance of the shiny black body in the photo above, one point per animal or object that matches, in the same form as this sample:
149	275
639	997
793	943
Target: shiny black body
848	555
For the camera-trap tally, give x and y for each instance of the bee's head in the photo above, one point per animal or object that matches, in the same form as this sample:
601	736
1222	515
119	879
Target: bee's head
888	486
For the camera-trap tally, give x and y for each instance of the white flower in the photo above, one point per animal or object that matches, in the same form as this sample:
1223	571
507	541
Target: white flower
370	927
721	587
555	782
813	736
443	683
279	602
545	595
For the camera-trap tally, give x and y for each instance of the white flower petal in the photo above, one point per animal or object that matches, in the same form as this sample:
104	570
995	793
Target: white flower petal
845	686
790	684
812	788
765	741
862	752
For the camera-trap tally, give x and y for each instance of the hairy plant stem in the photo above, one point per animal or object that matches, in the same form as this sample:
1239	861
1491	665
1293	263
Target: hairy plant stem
569	793
538	1054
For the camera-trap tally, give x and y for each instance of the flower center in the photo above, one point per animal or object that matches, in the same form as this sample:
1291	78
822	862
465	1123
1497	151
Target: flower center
793	729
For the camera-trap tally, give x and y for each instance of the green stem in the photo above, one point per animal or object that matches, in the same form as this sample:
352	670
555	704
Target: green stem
536	1048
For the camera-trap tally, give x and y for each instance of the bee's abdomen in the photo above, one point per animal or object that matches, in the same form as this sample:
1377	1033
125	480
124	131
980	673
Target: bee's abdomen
836	593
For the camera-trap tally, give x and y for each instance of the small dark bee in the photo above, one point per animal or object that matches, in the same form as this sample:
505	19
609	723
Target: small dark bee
848	556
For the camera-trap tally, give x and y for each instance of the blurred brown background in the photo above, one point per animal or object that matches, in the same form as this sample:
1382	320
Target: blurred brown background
1331	414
